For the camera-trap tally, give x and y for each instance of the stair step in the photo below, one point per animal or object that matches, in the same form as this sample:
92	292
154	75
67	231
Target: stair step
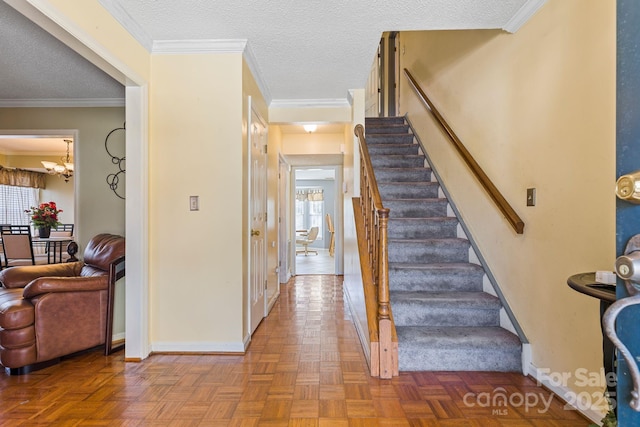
389	138
386	128
416	190
397	161
406	149
383	121
422	228
444	320
458	349
428	250
415	308
416	208
402	174
435	277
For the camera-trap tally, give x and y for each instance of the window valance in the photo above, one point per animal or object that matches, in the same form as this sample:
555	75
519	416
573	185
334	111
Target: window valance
311	194
22	178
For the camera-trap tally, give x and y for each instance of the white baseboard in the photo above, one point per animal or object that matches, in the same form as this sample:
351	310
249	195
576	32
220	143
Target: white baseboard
199	347
595	414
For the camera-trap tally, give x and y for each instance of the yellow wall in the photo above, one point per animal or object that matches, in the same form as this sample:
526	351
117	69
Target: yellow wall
196	148
536	109
314	143
97	209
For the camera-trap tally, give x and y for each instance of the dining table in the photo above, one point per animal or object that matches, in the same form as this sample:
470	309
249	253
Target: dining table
54	246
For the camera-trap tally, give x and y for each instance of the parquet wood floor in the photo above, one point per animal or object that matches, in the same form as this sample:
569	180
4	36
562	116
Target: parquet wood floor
304	367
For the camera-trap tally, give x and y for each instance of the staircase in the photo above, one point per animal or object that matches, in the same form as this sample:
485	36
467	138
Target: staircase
444	320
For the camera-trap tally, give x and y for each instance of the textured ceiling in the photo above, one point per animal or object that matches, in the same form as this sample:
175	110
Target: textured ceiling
36	66
305	49
309	50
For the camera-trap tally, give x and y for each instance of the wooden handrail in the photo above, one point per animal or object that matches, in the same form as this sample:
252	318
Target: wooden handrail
504	206
376	217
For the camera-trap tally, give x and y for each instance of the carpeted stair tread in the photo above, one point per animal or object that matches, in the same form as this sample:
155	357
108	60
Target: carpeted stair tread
400	190
432	277
458	348
463	337
402	174
422	228
417	208
432	309
453	300
373	121
428	250
382	149
389	138
387	128
397	161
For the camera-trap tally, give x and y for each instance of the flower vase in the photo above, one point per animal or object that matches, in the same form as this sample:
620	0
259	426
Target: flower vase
44	231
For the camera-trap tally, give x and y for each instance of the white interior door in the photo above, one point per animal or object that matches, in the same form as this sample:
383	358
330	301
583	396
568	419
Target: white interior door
258	219
285	242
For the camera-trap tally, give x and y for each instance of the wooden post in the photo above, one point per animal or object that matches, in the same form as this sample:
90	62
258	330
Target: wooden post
384	309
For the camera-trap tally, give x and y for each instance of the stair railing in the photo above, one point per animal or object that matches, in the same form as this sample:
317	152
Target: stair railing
504	206
376	217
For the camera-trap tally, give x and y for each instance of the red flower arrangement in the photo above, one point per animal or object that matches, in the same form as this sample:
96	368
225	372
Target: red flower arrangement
45	215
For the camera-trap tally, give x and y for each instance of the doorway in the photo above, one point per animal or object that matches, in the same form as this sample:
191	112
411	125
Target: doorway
26	149
314	204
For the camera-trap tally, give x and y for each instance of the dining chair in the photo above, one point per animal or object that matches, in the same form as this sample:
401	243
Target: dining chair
312	235
63	228
332	237
17	246
2	260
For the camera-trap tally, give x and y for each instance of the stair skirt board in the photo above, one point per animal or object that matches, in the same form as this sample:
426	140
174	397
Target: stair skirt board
444	318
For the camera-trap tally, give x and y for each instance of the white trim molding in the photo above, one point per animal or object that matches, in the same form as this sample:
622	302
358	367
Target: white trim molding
66	102
523	15
311	103
563	392
188	47
199	347
131	25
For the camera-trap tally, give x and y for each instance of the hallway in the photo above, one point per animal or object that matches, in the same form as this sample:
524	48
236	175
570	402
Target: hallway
304	367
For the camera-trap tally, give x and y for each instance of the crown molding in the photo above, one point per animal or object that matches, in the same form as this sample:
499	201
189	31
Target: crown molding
57	103
257	74
131	25
310	103
523	15
184	47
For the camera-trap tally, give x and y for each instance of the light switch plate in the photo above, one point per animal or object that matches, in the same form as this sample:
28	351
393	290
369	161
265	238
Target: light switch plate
194	203
531	196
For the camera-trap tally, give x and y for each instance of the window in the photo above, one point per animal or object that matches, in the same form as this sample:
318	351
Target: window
13	203
310	209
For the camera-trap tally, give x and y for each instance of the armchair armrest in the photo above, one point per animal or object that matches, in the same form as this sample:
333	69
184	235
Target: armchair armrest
19	277
46	285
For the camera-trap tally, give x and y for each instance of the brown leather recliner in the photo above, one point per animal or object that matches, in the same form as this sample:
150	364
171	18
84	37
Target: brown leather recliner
50	311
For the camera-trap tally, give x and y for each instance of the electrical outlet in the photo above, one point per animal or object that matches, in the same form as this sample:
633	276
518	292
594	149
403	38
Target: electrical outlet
531	196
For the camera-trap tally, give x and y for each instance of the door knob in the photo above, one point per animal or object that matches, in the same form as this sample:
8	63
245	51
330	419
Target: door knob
255	232
628	187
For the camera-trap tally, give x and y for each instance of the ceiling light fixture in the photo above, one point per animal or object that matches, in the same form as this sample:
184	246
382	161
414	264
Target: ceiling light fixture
310	128
65	170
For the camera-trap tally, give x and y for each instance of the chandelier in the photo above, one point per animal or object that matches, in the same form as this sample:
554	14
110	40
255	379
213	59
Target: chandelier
64	170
